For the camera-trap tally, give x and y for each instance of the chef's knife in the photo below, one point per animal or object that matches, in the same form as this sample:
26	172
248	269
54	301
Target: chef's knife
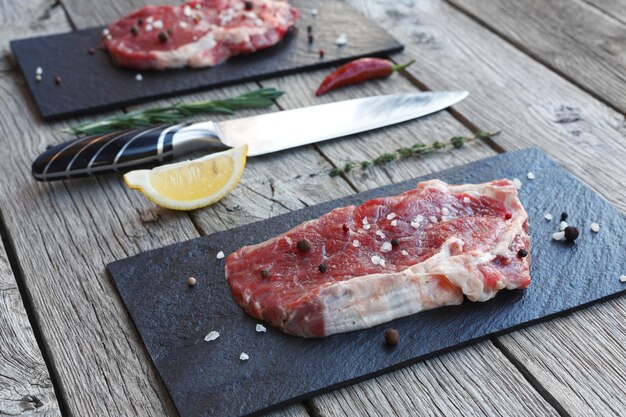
140	148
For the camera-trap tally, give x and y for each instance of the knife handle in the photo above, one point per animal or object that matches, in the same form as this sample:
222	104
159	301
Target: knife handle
120	151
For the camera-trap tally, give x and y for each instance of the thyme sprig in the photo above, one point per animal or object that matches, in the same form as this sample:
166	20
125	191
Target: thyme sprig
176	113
417	150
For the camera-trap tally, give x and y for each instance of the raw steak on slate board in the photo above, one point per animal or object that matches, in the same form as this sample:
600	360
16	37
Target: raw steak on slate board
199	33
356	267
111	86
208	379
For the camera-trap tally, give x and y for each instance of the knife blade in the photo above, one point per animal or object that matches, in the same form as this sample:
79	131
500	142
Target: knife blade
271	132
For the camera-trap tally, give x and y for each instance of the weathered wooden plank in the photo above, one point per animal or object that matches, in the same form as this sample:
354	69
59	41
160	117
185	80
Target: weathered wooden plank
534	107
25	385
572	37
614	8
38	17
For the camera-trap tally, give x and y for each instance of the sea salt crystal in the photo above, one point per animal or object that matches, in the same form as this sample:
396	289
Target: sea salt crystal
517	183
391	216
182	24
139	77
220	255
433	219
356	243
158	24
382	261
547	216
622	278
211	336
466	200
244	356
562	225
558	235
376	259
445	211
530	176
405	253
106	32
260	328
341	39
187	11
386	247
394	223
366	226
380	234
150	19
417	221
595	227
365	221
148	28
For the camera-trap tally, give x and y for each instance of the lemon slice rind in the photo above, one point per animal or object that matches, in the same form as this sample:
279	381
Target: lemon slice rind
140	180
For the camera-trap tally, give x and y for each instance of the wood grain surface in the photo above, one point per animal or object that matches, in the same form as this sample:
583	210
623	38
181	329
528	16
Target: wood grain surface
574	38
74	228
25	386
533	106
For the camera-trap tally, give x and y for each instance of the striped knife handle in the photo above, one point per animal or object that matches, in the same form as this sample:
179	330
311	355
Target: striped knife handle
102	154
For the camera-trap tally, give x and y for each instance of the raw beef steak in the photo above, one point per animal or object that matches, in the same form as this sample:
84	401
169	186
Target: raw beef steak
198	33
388	258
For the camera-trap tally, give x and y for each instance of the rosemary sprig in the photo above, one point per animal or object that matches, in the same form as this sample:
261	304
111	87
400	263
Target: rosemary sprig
177	112
417	150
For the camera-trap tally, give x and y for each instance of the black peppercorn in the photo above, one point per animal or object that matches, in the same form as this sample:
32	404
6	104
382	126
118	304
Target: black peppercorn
392	337
395	242
310	38
140	21
163	37
309	29
571	233
322	268
169	31
264	273
345	228
563	216
248	5
304	245
522	253
134	30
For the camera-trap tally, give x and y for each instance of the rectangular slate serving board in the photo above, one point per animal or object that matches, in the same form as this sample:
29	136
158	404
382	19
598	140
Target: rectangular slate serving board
91	83
208	379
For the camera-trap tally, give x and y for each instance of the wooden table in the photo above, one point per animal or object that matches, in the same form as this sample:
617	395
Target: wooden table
550	74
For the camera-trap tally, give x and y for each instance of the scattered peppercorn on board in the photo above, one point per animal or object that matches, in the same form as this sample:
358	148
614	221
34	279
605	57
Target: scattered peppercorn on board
88	82
211	378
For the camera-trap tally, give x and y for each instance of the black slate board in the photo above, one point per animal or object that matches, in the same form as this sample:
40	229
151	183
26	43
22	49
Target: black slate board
208	378
91	83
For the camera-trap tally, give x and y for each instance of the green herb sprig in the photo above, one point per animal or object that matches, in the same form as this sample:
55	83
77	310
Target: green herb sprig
417	150
178	112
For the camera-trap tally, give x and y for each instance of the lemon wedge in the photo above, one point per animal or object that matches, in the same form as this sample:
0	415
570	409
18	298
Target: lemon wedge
191	184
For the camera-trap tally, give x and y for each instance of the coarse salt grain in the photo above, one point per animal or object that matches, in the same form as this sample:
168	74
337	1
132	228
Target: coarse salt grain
517	183
433	219
547	216
405	253
376	259
562	225
530	176
106	32
341	39
595	227
622	278
394	223
366	226
158	24
139	77
244	356
391	216
417	221
150	19
356	243
380	234
558	235
386	247
365	221
182	24
445	211
39	71
211	336
187	11
382	261
260	328
220	255
148	28
466	199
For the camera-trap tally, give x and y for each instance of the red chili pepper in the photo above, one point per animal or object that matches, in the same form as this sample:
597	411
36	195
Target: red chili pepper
357	71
